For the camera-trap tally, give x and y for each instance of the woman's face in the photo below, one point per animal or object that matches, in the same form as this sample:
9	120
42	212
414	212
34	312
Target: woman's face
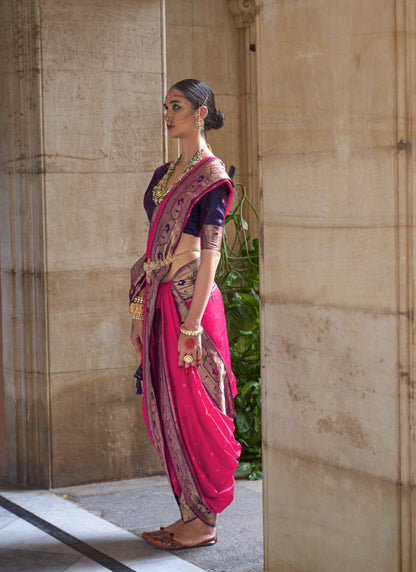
180	116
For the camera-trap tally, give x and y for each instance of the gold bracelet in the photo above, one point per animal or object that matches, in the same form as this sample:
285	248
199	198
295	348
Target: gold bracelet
136	308
137	316
191	332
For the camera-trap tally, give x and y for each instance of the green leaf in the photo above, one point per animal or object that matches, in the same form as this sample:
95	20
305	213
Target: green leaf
243	467
256	474
242	422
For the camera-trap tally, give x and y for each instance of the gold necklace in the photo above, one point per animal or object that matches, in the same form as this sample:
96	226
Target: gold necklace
161	189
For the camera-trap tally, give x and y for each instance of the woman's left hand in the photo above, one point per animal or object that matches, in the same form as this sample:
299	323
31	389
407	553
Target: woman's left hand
191	346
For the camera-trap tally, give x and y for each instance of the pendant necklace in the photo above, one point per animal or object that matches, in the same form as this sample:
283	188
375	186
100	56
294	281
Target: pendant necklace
161	189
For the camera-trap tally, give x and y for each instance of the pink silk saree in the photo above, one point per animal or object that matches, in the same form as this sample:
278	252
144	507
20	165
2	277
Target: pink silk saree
188	415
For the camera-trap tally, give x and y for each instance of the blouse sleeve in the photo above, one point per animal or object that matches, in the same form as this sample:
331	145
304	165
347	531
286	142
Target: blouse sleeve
148	203
208	216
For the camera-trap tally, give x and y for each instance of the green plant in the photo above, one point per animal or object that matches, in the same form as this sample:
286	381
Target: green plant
238	279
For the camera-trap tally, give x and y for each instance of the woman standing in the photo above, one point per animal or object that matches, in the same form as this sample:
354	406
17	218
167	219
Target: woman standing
179	326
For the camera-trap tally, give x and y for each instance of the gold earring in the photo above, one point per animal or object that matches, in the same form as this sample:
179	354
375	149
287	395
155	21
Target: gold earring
199	123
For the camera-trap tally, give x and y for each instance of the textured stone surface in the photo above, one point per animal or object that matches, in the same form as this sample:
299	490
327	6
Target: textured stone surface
327	519
344	267
84	334
102	80
22	229
96	220
338	274
333	397
97	427
82	100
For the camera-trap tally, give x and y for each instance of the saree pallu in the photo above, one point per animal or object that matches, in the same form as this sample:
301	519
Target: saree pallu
188	414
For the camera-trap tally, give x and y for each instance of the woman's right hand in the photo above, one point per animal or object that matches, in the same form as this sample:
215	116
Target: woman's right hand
136	334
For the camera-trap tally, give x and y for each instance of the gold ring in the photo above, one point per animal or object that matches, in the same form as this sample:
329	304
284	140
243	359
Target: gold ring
187	358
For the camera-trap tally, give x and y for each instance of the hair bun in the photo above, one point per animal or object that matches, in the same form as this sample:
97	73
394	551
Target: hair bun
215	120
220	119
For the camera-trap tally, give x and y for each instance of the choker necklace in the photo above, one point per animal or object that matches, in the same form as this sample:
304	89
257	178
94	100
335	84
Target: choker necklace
161	189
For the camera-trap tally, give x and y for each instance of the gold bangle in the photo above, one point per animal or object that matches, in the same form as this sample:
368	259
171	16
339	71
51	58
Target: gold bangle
137	316
191	332
136	308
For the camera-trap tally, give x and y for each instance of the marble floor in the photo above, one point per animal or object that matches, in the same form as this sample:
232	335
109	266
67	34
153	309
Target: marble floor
42	531
24	546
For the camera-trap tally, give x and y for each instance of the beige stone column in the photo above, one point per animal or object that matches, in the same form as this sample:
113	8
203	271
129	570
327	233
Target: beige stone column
81	134
337	150
244	15
23	285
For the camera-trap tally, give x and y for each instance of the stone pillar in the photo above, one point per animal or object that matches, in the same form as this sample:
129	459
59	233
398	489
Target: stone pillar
81	134
23	283
244	15
337	151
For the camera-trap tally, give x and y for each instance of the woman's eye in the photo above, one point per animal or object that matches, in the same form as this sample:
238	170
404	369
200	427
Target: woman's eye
175	107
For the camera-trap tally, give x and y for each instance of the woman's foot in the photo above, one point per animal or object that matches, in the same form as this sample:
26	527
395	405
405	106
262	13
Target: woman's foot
171	528
185	535
194	533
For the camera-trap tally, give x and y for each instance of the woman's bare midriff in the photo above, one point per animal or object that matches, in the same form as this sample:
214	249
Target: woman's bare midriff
189	248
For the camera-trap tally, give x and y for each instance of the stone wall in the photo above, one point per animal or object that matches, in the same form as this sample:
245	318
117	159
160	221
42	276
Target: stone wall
84	82
102	83
336	118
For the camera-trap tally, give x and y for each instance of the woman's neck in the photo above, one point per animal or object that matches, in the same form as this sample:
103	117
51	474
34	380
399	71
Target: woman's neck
190	146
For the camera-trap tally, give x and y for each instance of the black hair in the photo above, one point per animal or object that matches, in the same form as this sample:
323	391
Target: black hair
199	93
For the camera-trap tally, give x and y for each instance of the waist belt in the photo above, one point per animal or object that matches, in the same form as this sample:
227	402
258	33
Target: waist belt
152	265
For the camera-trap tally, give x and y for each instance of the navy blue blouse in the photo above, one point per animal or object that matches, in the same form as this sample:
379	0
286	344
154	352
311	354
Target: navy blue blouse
209	210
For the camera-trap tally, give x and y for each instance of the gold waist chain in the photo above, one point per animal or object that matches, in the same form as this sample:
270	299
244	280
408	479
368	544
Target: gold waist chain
152	265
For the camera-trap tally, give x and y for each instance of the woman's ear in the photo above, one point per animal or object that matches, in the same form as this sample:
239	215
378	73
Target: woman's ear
203	111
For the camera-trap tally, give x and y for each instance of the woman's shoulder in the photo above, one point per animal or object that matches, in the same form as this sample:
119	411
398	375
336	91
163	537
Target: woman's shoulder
162	168
217	167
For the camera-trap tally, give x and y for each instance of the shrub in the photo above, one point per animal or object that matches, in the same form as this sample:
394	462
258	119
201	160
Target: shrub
238	279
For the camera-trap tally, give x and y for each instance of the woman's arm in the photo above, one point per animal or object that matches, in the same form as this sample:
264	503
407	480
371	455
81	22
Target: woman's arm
209	219
137	330
136	334
203	286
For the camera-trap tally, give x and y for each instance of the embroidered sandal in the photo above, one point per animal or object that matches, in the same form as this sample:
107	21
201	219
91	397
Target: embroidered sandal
162	530
166	541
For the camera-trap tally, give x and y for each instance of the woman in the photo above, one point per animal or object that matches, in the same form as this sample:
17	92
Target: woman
179	327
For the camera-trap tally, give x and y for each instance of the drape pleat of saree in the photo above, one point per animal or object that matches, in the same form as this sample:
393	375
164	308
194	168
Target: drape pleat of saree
188	414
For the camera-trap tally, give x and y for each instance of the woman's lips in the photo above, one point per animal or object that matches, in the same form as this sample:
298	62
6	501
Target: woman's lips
169	126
